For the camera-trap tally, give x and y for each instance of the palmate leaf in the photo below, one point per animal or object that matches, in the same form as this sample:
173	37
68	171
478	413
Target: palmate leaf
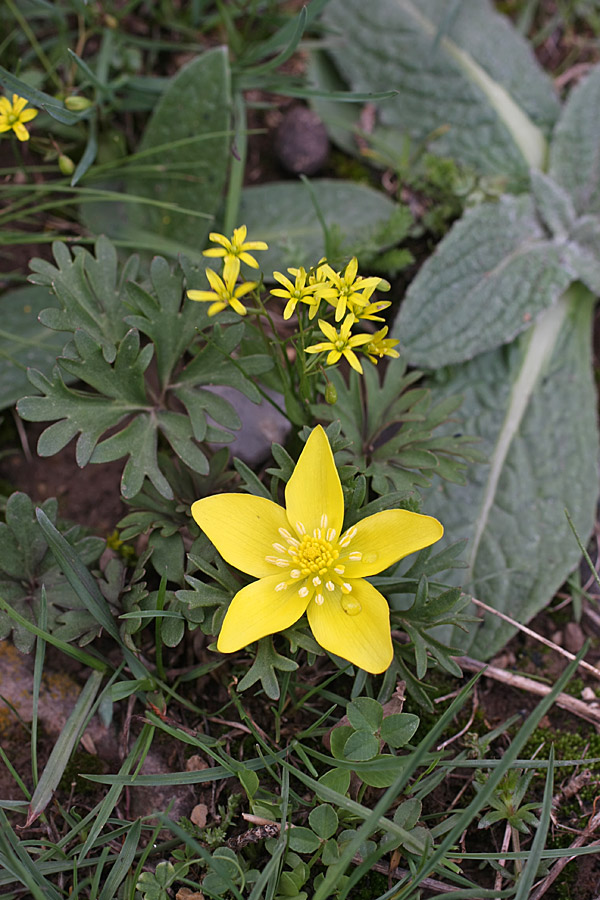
110	360
458	67
89	289
27	564
390	424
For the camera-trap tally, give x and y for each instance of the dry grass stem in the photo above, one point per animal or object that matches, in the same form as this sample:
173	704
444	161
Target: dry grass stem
538	637
586	711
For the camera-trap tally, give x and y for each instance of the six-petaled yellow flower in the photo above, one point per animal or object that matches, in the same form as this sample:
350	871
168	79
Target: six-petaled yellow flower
224	293
304	561
349	291
380	346
340	343
233	250
296	291
14	115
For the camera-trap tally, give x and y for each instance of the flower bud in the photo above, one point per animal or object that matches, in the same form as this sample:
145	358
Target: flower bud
111	21
330	394
77	103
66	164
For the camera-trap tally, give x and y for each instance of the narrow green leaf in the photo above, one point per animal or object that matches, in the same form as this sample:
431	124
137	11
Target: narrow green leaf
119	871
534	856
61	752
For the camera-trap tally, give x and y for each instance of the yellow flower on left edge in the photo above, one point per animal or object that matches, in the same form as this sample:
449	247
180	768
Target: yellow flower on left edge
14	115
304	562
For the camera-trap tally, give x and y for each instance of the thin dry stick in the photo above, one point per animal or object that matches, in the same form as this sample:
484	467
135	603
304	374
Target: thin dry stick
559	865
572	704
502	862
538	637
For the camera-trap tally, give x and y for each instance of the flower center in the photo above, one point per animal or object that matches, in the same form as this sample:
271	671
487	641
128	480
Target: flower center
316	567
313	554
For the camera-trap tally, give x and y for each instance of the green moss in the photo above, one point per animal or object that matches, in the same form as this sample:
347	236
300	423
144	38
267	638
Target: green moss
82	763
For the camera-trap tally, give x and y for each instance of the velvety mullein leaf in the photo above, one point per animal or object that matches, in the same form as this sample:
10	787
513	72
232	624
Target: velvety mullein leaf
533	404
495	272
575	148
362	222
458	67
190	130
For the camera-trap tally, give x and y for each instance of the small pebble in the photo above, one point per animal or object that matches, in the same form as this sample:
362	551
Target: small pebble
573	637
301	142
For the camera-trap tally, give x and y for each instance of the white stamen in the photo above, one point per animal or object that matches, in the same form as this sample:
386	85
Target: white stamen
295	573
346	588
282	563
317	533
324	520
279	547
331	534
330	585
355	556
303	592
316	581
347	537
284	533
339	570
281	586
271	559
300	528
319	599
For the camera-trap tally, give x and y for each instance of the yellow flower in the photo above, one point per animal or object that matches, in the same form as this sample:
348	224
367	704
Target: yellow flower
234	250
304	562
224	293
369	312
14	115
340	343
380	346
295	292
347	290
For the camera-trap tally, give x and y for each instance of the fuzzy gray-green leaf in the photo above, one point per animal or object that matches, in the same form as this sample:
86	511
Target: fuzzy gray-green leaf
575	148
460	67
190	129
492	274
533	404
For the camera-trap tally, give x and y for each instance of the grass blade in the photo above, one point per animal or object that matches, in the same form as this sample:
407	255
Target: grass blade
61	752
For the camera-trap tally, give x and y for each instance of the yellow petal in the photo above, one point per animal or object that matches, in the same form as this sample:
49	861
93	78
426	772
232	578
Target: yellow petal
19	103
386	537
28	114
231	269
362	635
328	330
244	528
219	239
249	260
202	295
5	105
314	490
214	251
258	610
21	132
353	360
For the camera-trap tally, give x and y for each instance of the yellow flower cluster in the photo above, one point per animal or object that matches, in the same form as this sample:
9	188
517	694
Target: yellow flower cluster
350	294
225	290
347	292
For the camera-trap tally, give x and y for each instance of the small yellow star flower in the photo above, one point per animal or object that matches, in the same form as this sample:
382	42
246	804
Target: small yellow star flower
340	344
305	562
380	346
234	250
369	312
14	115
296	292
349	290
224	293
